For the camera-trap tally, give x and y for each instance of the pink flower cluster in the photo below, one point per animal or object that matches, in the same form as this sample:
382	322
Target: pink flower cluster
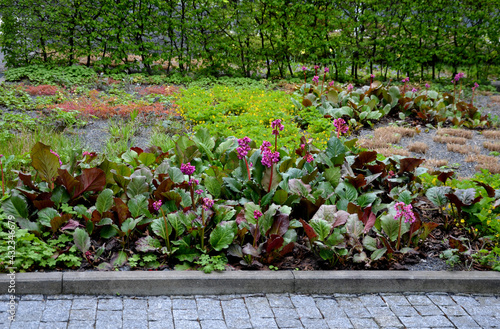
458	76
404	211
276	125
340	125
332	83
244	147
187	169
309	158
327	70
349	87
427	85
207	203
268	157
257	214
315	79
57	155
157	205
193	181
199	192
304	68
405	80
475	86
414	90
372	76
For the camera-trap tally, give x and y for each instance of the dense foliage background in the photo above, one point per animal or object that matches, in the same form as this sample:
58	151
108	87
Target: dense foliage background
260	37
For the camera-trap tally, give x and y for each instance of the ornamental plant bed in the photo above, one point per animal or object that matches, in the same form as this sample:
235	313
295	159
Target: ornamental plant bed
215	203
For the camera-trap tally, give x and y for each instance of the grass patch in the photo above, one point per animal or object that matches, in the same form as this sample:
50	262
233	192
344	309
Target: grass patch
462	149
450	140
418	147
454	132
492	134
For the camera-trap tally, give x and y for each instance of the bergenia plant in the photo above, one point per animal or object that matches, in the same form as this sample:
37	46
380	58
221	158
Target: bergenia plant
473	91
403	212
207	204
341	127
188	169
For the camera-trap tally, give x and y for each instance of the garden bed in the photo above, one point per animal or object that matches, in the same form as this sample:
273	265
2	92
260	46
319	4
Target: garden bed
308	200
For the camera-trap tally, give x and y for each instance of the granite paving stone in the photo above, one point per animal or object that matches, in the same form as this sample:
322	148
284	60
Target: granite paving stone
110	304
164	324
464	322
404	311
396	300
339	323
263	323
343	311
453	310
314	323
80	324
29	311
212	324
83	315
57	310
53	325
419	300
209	309
441	299
428	310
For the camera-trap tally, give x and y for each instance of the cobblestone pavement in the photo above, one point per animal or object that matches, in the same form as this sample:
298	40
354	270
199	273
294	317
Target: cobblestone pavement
432	310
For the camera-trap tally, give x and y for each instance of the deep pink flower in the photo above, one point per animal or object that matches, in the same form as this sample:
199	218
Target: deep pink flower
475	86
309	158
276	125
265	145
304	68
199	192
207	203
427	85
458	76
257	214
331	83
341	125
372	75
316	67
268	158
187	169
193	181
405	80
404	211
157	205
327	70
414	90
315	79
349	87
243	148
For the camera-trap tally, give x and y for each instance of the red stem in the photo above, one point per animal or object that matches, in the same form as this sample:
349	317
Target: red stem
271	179
248	170
191	190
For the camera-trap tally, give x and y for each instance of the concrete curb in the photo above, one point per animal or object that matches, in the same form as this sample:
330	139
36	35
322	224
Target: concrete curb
144	283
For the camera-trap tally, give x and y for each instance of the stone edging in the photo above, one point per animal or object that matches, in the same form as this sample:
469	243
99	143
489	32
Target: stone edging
145	283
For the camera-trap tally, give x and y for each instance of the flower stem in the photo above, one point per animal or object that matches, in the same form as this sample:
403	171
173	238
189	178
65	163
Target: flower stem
399	233
191	190
271	179
248	169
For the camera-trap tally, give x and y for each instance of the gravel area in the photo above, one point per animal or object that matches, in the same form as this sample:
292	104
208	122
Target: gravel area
438	151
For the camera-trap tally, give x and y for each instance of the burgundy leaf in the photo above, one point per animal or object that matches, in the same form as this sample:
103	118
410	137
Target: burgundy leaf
93	179
274	243
71	225
489	190
364	158
311	234
409	164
